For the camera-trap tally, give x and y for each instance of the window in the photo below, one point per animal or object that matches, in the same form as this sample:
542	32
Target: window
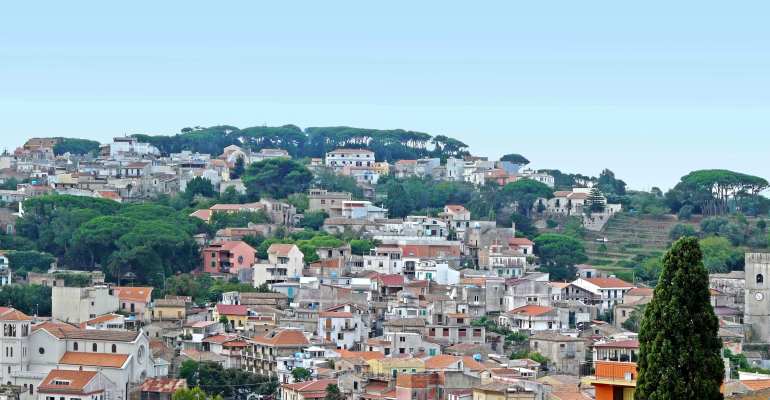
760	278
75	346
402	339
41	350
93	347
114	348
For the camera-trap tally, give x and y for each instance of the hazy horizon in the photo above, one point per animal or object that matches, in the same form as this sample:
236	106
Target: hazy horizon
651	91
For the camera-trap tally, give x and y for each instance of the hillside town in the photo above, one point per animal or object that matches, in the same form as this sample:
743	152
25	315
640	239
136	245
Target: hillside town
259	274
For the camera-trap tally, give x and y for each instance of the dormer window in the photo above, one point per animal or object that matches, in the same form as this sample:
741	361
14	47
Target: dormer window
760	279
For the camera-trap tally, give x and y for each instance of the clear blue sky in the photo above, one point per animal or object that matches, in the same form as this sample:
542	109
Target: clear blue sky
651	89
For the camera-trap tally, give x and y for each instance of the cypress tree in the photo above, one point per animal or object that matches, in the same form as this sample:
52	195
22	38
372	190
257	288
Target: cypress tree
680	352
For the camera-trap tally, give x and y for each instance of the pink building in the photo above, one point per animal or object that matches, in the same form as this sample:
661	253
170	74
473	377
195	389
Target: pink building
228	257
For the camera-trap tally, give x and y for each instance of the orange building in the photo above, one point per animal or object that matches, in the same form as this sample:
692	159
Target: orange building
614	380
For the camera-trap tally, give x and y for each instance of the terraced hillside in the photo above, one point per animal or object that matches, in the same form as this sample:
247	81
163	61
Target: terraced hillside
628	236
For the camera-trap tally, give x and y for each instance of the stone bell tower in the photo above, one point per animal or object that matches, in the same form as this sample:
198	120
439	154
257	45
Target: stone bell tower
756	313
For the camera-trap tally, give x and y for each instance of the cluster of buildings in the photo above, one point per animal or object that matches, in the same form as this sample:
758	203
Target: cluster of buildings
443	307
123	170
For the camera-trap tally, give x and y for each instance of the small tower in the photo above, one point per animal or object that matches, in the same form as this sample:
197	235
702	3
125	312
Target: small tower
756	314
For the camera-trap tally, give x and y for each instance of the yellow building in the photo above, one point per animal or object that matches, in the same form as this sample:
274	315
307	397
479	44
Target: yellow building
394	366
169	310
382	168
237	315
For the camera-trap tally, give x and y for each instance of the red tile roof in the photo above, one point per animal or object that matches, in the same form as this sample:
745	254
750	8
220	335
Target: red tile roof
94	359
441	361
76	381
609	282
520	242
12	314
531	310
286	337
335	314
310	386
620	344
281	250
57	329
232	309
163	385
100	319
135	294
391	279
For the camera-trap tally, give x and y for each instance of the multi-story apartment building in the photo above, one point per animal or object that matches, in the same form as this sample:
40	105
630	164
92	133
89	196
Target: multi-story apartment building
228	257
262	352
284	262
330	202
340	158
75	304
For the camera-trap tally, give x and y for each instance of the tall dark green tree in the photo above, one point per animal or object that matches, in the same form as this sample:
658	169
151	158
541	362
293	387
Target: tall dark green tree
679	355
238	169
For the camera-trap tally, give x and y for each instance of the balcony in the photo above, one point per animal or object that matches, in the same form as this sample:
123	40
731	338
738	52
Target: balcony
613	373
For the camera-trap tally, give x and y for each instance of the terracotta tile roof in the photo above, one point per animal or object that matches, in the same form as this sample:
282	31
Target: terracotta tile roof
232	309
100	319
109	195
365	355
757	384
94	359
620	344
310	386
441	361
609	282
135	294
163	385
520	242
76	381
95	334
391	279
57	329
219	338
12	314
202	214
473	365
281	250
640	292
286	337
335	314
531	310
455	208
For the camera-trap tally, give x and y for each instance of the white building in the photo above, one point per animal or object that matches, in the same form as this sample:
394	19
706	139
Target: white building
285	262
607	292
438	272
125	146
76	385
534	318
6	275
386	259
343	327
361	209
340	158
75	304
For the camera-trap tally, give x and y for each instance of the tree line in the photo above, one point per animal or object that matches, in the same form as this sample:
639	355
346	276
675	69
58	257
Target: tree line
394	144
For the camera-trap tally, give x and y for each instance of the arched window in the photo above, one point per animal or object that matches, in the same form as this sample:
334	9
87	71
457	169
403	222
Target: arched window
114	348
75	346
760	278
93	347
